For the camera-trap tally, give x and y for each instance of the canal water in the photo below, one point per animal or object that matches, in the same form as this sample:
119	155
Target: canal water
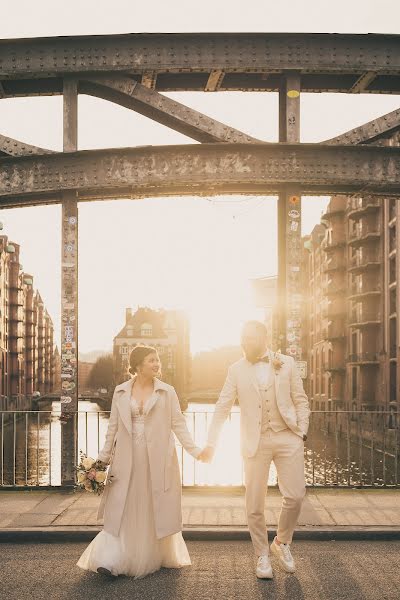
31	450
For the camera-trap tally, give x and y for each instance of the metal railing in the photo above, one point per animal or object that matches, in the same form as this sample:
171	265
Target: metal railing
364	357
344	448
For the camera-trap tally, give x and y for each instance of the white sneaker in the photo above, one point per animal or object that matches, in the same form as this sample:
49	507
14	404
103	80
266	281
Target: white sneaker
264	569
283	554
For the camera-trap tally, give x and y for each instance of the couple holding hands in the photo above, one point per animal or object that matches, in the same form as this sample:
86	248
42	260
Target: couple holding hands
142	507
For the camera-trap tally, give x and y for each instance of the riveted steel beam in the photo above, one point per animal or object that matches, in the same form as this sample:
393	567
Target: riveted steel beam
149	79
289	228
363	82
164	110
198	169
382	127
69	297
214	80
327	62
11	147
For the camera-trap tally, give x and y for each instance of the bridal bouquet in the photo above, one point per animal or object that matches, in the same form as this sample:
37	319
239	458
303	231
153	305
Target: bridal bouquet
92	476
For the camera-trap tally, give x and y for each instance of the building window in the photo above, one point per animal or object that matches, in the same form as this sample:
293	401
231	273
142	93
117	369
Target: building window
393	338
392	239
392	269
124	349
392	208
354	384
393	383
392	301
354	345
146	330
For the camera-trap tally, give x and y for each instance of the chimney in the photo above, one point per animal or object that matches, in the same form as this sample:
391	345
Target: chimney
128	315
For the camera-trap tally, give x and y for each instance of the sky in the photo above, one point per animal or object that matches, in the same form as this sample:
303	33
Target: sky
197	254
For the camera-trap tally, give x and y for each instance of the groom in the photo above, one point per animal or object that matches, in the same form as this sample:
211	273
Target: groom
274	421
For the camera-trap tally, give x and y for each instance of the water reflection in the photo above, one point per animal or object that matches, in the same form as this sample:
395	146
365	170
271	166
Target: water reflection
31	450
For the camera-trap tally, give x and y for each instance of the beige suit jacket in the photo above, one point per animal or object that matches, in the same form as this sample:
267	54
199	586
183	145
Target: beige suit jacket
241	383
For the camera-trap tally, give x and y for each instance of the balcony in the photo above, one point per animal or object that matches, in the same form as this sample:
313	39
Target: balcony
332	211
332	291
364	235
361	206
332	311
333	264
334	244
364	358
358	264
335	331
360	293
365	320
335	367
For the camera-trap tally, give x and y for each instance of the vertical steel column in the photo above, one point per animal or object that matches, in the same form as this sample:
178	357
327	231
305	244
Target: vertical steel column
289	227
69	299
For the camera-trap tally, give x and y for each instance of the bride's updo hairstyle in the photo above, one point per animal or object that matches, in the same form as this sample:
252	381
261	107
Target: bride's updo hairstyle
137	356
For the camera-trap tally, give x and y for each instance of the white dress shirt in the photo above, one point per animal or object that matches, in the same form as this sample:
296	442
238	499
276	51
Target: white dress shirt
263	371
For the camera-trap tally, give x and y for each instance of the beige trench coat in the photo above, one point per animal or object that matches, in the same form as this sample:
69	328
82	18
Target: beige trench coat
164	418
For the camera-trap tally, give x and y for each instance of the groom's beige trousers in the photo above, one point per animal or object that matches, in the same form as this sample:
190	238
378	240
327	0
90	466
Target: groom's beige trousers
279	444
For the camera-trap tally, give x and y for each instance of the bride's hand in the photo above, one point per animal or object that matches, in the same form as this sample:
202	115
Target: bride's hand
100	463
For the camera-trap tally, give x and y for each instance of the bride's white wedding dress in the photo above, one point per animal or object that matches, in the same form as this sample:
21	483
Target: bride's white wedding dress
136	551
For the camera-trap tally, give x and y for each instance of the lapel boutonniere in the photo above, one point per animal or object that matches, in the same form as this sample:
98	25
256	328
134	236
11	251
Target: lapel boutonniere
276	362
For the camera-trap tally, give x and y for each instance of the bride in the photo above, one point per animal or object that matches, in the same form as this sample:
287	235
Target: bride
142	506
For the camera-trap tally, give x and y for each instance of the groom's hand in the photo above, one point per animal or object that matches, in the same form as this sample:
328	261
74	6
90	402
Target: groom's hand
207	454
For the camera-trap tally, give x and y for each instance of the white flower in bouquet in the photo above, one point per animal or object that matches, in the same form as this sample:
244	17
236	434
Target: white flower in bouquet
100	476
81	476
88	462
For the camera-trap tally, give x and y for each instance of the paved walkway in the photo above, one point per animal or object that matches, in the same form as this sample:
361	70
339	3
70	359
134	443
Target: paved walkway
322	508
220	570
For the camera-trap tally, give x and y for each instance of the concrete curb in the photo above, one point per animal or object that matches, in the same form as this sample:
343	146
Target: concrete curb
87	533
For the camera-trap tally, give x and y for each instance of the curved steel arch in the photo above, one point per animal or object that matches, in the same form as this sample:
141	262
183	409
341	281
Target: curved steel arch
212	169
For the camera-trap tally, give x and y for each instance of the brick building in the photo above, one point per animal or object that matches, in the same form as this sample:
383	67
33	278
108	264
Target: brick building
350	331
26	333
168	332
84	370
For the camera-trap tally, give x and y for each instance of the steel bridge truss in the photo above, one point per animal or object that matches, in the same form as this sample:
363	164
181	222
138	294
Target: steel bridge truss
134	71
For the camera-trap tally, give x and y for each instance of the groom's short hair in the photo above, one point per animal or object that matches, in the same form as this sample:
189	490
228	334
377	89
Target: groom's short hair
258	326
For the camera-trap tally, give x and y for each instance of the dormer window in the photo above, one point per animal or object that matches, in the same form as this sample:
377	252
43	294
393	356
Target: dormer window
146	330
